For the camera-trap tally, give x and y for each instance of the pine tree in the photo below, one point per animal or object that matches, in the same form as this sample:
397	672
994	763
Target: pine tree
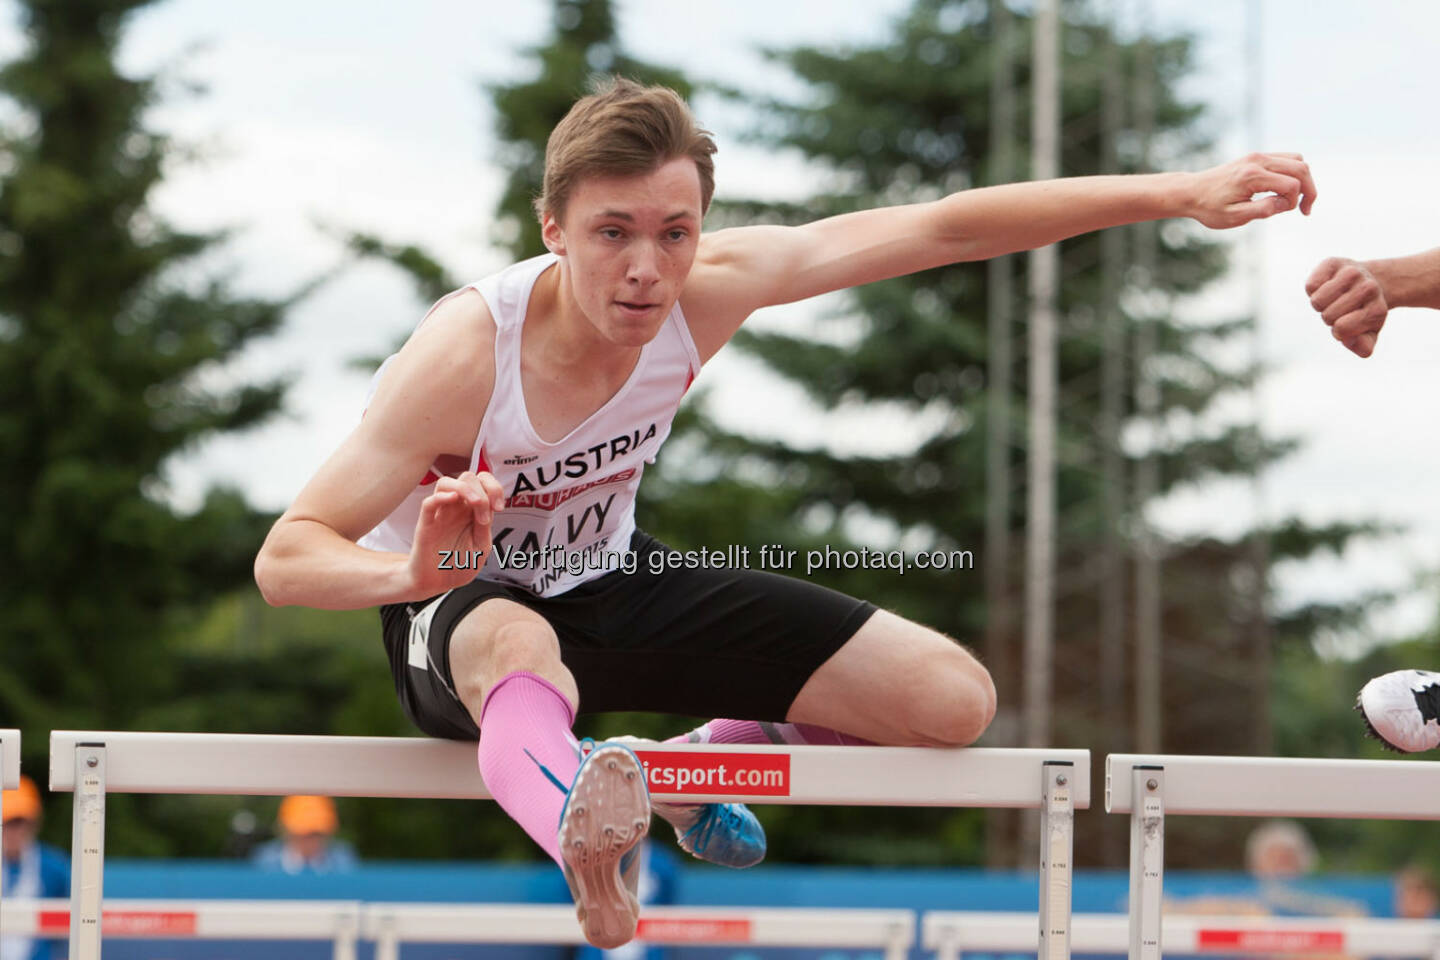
584	46
110	346
907	118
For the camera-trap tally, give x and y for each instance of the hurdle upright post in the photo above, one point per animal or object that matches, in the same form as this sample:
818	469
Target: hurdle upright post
901	939
9	777
1147	860
1057	855
87	851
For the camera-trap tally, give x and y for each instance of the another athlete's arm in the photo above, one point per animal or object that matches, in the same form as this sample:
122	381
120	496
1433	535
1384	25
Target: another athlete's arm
740	270
429	403
1354	297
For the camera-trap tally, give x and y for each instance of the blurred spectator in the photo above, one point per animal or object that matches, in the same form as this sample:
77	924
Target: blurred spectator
31	868
1280	856
307	842
1415	893
1279	850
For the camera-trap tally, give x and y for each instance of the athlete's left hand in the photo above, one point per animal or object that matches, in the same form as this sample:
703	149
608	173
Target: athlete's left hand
1230	195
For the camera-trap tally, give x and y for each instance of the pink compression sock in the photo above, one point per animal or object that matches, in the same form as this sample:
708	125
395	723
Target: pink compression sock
525	734
754	731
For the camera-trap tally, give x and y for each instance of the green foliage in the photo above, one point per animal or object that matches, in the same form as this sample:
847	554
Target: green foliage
906	118
110	345
584	46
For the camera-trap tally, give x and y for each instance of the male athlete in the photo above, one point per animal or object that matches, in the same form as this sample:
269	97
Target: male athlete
486	500
1354	298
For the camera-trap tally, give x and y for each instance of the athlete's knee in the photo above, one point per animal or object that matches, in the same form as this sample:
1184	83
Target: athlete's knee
953	704
484	648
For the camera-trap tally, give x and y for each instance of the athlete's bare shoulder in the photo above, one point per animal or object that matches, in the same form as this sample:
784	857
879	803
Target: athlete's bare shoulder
439	384
427	407
725	285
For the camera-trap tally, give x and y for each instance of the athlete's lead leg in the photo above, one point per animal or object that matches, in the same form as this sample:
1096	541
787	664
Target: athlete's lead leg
505	660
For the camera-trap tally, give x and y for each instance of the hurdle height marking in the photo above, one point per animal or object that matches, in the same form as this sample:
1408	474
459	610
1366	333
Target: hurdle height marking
1147	860
1057	854
87	851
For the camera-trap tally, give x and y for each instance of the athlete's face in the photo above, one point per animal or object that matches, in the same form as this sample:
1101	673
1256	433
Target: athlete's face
629	243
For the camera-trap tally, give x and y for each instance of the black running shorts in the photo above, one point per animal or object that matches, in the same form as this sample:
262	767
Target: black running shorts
735	643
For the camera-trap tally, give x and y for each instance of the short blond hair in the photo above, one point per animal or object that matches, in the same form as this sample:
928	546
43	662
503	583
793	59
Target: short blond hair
623	129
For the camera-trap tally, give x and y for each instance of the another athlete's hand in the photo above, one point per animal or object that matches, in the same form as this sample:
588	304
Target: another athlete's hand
1351	302
452	536
1227	196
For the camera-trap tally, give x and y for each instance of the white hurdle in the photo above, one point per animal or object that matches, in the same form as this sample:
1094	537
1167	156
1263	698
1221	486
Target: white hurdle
9	780
1149	786
390	925
335	921
952	933
9	758
1056	782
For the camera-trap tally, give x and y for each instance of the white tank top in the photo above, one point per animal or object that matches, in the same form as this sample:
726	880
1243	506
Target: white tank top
569	505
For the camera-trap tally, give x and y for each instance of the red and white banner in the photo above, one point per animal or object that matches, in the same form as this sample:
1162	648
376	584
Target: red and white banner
695	929
713	772
1271	941
125	923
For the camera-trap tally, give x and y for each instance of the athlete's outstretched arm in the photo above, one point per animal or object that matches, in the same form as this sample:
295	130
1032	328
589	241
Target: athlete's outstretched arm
1354	297
743	269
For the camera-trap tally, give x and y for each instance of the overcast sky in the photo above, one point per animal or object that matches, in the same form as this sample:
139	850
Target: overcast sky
371	115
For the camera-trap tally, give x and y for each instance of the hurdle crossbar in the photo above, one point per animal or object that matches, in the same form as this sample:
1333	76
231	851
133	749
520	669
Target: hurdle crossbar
1282	787
93	763
1148	786
263	765
952	933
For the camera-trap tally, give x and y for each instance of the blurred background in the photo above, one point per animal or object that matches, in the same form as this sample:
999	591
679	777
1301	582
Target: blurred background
215	220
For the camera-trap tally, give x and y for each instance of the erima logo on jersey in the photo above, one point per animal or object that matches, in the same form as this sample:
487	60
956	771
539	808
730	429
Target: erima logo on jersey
580	463
520	461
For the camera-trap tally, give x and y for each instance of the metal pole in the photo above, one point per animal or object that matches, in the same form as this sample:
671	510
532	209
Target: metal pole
1147	479
1000	646
387	941
87	852
1259	545
1112	458
898	947
1112	408
1147	860
347	932
1044	272
1000	308
1057	854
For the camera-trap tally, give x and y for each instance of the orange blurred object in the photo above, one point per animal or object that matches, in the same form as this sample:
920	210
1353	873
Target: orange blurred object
305	814
22	803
